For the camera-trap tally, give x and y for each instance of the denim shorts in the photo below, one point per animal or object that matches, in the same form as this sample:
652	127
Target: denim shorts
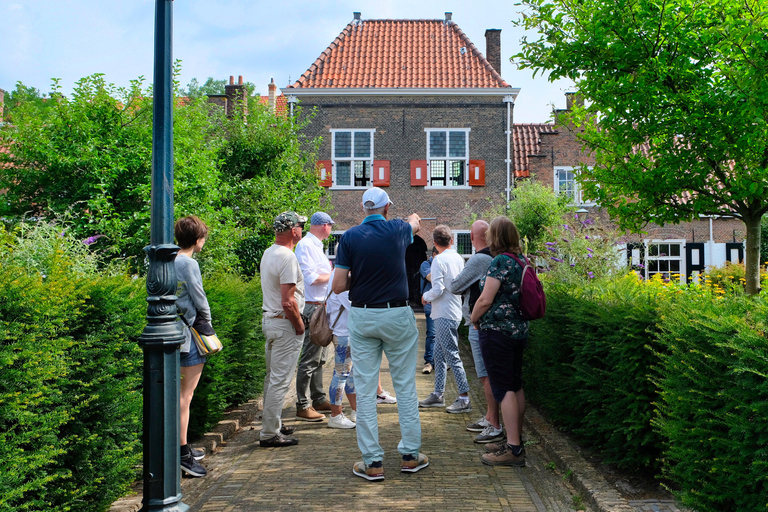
477	355
193	357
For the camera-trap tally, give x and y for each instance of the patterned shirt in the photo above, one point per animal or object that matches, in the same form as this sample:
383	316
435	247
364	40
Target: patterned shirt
504	313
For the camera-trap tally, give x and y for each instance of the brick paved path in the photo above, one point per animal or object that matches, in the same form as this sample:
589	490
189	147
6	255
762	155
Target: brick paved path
317	473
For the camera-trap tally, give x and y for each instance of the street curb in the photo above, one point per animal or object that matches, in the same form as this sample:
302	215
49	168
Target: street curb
584	477
233	420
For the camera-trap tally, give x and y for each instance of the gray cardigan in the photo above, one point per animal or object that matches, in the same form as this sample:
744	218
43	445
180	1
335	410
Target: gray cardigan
475	268
192	299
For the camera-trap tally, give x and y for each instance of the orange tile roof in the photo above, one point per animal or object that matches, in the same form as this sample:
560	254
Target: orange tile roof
526	142
281	103
401	54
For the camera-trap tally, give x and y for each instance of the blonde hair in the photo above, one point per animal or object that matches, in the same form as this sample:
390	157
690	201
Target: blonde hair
502	236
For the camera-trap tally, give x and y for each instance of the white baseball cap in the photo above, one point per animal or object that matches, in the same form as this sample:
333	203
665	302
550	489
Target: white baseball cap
375	198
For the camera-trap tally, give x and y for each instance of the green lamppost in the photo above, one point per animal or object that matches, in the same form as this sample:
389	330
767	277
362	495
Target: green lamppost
162	337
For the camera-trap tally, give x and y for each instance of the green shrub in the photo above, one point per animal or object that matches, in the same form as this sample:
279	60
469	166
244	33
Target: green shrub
713	406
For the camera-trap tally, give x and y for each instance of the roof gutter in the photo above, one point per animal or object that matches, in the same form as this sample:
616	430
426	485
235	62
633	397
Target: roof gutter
403	91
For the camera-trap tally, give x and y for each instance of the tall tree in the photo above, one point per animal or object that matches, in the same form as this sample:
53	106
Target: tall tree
686	79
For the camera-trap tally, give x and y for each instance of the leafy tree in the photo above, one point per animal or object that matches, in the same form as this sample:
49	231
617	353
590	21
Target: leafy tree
685	79
196	91
22	94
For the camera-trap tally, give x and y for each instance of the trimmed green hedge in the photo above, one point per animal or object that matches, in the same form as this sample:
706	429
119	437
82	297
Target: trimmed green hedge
663	379
70	379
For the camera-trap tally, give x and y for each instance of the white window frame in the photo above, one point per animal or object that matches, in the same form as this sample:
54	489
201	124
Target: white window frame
667	257
578	194
455	246
351	159
327	250
446	158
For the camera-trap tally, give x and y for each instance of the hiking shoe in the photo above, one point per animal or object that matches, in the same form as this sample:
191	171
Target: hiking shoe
432	401
196	454
479	425
459	406
504	457
489	435
191	467
413	464
309	414
278	441
374	472
340	421
286	430
324	408
427	368
385	398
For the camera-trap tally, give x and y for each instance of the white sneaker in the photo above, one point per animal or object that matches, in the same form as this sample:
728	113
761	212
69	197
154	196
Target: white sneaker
340	421
385	398
353	415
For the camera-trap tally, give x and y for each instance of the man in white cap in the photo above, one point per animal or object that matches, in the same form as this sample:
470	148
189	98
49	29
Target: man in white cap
370	263
311	399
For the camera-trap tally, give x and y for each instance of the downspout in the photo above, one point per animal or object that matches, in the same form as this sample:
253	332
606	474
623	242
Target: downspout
510	101
711	243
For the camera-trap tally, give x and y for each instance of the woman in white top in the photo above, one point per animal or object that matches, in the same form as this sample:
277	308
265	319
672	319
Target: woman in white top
337	308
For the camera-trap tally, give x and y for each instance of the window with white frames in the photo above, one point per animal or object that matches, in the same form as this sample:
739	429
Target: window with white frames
447	157
462	243
566	184
665	258
352	158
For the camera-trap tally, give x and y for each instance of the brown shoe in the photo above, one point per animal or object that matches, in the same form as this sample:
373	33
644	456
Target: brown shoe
309	414
504	457
413	464
324	408
494	447
374	472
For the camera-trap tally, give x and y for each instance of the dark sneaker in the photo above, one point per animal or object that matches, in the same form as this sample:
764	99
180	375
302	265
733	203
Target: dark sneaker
432	401
479	425
504	457
196	454
489	435
374	472
191	467
278	441
413	464
286	430
459	406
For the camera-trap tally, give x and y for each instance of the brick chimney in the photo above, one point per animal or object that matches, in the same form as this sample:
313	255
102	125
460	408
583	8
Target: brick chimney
493	48
573	99
236	94
271	103
448	17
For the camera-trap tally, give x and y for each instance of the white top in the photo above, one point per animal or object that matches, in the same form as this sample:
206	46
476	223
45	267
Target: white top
445	267
335	301
313	263
279	266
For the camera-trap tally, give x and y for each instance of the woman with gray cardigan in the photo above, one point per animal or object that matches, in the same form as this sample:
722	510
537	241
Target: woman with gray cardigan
191	233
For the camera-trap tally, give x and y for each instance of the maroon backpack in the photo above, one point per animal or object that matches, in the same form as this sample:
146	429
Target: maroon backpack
533	303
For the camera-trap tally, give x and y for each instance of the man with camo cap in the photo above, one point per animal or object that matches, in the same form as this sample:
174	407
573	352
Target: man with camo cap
282	287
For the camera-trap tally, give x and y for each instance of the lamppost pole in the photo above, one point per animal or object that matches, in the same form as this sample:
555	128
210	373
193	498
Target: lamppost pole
162	337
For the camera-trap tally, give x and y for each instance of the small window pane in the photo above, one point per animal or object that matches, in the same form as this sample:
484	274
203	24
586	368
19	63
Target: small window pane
566	184
362	144
343	144
674	250
362	173
457	144
463	243
653	250
674	266
437	144
653	266
437	172
457	173
343	173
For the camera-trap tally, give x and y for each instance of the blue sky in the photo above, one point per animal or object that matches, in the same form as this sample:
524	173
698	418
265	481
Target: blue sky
70	39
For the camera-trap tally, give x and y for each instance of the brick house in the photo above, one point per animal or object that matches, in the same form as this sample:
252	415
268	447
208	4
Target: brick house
414	107
551	154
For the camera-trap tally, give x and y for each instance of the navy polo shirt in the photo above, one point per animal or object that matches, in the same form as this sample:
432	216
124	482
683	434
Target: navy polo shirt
374	252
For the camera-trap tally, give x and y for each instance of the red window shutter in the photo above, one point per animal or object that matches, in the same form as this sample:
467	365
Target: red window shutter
477	173
380	173
419	176
324	170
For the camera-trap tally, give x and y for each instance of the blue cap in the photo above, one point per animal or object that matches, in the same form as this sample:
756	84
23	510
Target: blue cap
320	218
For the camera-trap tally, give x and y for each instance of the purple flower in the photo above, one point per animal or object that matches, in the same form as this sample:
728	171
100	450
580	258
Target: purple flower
62	234
589	221
591	275
565	240
566	226
92	239
663	254
573	264
586	237
640	265
576	216
590	250
550	243
589	255
552	249
557	259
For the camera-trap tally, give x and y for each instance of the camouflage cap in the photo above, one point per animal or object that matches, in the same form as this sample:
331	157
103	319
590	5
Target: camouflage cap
287	220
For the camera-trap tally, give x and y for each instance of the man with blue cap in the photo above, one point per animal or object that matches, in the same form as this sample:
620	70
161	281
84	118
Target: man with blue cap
311	399
370	263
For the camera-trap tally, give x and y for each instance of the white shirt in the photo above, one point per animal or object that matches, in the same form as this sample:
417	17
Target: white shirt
445	267
313	263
